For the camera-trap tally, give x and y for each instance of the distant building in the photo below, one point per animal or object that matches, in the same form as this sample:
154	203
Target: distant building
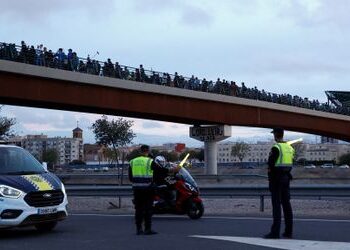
324	151
177	147
94	153
325	139
68	149
78	133
180	147
259	152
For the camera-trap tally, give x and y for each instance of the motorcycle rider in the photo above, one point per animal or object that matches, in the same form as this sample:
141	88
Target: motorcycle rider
164	180
168	193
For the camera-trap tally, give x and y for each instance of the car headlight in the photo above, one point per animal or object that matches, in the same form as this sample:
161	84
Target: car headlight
10	192
63	189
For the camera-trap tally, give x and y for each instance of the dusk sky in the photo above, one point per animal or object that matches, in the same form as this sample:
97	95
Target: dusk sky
281	46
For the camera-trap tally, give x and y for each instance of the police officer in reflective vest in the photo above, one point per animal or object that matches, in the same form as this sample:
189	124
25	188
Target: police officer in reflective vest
280	165
141	175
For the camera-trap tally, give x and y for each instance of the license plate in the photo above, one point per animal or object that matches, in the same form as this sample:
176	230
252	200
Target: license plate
49	210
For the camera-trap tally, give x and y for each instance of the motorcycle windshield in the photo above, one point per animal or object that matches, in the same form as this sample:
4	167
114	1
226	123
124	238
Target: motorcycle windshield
186	176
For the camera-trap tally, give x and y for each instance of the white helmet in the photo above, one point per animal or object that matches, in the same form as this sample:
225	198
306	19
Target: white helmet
160	160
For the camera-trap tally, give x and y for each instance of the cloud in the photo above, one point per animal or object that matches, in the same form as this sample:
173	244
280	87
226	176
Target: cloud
148	127
42	119
190	14
318	12
39	10
155	5
152	124
196	17
303	66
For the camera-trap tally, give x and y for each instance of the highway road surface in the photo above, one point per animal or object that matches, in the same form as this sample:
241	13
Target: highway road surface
98	231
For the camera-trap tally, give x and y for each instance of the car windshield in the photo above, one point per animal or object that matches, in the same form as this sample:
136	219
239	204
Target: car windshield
186	176
18	161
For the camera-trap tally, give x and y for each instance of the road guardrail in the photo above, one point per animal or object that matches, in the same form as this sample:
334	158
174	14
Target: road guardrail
318	191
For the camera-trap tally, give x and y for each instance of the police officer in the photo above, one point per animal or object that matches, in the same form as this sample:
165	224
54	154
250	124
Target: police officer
279	167
141	175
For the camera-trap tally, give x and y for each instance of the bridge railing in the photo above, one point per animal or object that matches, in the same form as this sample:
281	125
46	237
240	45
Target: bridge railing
72	62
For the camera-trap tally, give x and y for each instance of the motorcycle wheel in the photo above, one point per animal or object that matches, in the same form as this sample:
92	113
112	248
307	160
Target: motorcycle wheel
195	210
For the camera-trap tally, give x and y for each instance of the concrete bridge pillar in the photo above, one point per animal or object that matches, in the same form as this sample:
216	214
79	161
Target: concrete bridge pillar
210	135
210	157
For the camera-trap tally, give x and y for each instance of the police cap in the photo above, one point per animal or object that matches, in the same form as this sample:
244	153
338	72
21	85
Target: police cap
144	148
277	131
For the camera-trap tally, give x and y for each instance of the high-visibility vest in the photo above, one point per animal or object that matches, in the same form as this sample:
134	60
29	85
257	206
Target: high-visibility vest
142	174
286	155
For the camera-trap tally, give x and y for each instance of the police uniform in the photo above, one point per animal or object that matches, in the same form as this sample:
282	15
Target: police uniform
141	174
280	165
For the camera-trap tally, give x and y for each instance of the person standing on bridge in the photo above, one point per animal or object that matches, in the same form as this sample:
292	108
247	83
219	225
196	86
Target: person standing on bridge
279	167
141	176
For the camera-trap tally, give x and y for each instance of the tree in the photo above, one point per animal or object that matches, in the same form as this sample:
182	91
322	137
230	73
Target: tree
344	159
169	156
115	134
200	156
111	155
50	156
154	152
77	162
240	150
5	126
193	154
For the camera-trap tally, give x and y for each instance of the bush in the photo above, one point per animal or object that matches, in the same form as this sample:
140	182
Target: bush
77	162
344	159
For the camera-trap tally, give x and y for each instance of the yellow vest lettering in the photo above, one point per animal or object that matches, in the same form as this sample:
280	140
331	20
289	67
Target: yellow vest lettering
142	174
286	155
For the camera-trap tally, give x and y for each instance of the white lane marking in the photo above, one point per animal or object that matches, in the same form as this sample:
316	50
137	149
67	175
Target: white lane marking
282	243
211	217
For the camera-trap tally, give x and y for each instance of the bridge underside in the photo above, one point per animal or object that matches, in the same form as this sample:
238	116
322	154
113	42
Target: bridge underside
23	90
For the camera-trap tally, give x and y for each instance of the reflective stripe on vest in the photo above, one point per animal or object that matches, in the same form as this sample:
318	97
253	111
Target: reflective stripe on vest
141	171
286	155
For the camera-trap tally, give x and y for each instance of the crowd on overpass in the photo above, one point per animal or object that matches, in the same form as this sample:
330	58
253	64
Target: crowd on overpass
41	56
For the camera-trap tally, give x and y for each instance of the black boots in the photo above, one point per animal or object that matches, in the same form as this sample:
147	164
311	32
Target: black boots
287	235
139	231
276	236
271	236
149	232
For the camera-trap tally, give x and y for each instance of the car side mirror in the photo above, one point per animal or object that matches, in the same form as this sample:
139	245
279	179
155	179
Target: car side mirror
45	166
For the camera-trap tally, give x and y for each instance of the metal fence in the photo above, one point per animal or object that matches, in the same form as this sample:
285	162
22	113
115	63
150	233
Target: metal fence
316	191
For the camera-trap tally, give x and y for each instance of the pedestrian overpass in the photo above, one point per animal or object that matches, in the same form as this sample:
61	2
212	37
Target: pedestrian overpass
36	86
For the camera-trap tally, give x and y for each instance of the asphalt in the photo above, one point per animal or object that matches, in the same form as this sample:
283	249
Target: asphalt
96	231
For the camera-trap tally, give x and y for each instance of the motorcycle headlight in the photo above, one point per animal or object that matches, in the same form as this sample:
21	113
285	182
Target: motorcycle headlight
10	192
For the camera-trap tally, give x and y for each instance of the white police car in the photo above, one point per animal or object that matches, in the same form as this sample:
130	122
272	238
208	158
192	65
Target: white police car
29	195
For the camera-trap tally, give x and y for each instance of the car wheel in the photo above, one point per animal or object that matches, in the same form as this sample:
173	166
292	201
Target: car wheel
46	226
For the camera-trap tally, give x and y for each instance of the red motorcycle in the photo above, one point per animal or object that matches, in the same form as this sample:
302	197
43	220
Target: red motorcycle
180	195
